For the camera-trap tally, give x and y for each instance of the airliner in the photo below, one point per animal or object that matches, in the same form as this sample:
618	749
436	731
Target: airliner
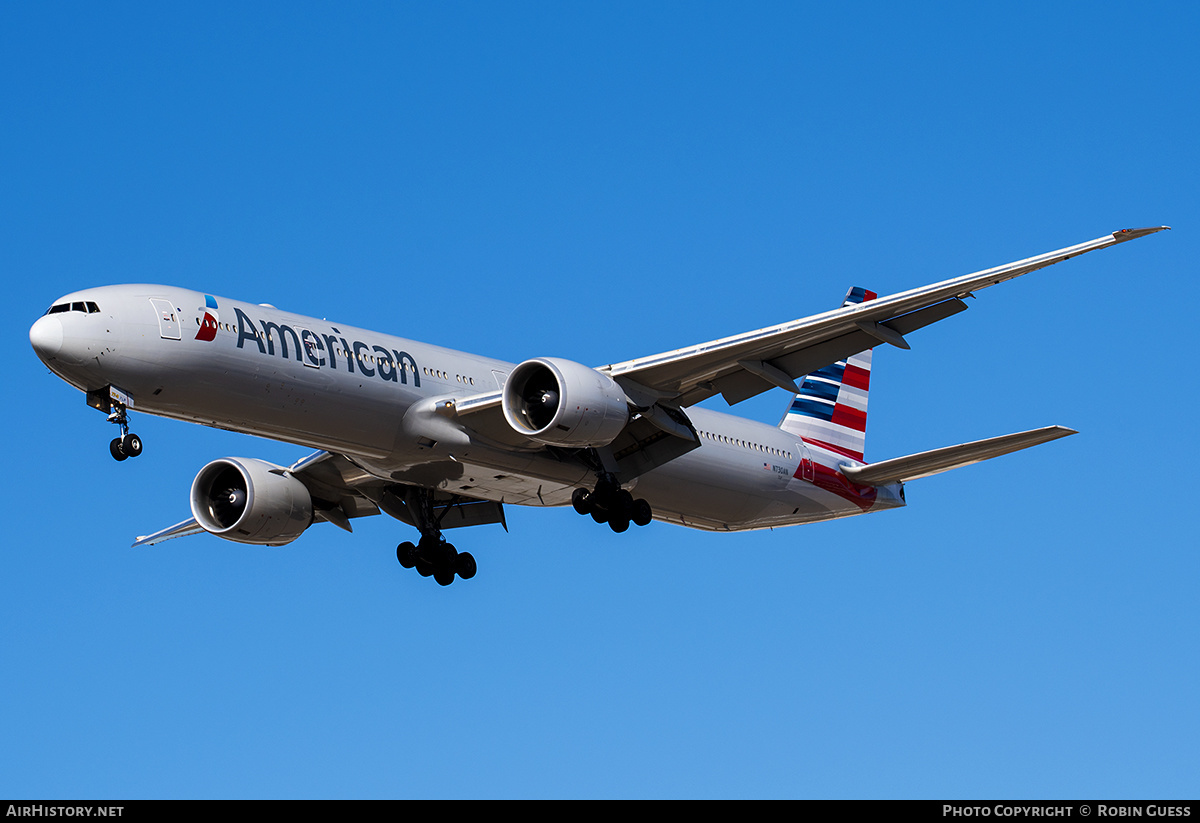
441	439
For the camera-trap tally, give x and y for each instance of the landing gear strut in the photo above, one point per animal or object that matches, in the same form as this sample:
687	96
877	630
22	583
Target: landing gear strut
128	444
611	504
433	556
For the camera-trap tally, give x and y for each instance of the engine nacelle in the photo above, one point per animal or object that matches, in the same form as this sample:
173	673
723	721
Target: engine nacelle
250	501
563	403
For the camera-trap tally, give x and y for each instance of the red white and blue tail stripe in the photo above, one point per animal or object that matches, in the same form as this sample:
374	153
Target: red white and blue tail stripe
831	409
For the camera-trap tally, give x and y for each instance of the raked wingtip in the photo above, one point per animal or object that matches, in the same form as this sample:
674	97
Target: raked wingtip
1132	234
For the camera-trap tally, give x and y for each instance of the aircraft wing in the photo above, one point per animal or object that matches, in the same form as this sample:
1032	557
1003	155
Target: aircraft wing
187	527
341	491
745	365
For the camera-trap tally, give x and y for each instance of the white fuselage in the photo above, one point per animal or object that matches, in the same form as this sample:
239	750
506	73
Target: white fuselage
368	396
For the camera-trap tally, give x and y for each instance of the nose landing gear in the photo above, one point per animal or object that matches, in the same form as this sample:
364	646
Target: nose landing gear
115	403
126	446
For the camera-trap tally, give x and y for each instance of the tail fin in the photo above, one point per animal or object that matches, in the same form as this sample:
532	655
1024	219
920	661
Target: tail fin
831	408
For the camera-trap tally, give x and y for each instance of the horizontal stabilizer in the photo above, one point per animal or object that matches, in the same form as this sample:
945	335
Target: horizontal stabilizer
924	464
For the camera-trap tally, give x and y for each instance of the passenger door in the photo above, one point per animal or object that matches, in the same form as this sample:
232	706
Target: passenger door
168	319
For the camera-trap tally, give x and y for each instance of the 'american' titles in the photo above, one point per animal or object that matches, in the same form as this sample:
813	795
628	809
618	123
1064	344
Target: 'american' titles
322	350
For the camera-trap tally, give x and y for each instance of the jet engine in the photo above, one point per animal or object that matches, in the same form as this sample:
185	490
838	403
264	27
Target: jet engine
250	501
562	403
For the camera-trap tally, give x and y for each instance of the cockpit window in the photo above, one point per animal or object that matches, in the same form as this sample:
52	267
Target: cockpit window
86	307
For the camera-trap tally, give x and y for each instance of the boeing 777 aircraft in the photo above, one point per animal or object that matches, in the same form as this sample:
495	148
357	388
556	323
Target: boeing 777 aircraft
441	439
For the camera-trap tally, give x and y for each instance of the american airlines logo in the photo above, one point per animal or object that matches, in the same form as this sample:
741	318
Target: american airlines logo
319	350
208	326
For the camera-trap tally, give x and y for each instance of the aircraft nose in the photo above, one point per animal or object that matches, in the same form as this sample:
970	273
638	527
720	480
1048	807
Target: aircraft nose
46	336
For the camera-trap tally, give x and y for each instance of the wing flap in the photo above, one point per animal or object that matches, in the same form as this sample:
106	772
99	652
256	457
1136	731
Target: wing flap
924	464
449	511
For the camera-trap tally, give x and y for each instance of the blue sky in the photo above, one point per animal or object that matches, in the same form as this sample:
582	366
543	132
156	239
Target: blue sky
599	182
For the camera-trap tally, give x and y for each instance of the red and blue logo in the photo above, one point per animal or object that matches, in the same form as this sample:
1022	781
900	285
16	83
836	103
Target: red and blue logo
208	326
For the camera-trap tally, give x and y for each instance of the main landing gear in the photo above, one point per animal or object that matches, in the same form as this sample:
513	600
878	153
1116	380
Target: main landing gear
611	504
432	556
128	444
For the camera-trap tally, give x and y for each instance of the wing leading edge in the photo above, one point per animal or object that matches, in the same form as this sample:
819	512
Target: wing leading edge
747	364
